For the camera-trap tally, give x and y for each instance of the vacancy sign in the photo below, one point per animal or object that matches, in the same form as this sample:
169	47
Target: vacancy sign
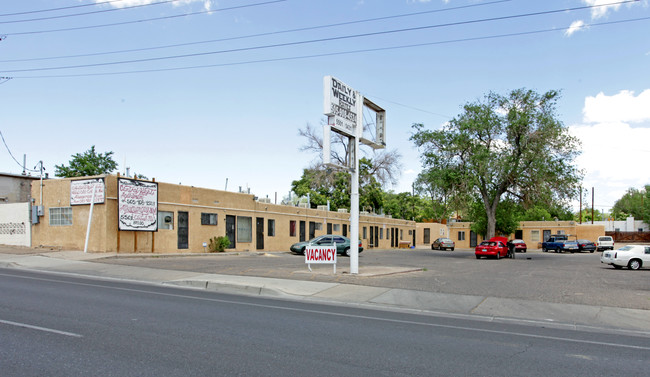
320	255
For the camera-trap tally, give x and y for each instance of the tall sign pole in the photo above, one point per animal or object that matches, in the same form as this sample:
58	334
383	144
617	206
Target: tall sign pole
344	109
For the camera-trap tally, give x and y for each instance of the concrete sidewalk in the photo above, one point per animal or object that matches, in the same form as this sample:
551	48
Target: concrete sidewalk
569	316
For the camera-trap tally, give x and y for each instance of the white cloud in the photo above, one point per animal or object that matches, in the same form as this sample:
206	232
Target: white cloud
613	150
130	3
602	7
621	107
575	26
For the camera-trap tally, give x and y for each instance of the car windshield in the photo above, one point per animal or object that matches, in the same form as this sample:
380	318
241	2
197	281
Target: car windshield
517	241
487	243
626	248
604	238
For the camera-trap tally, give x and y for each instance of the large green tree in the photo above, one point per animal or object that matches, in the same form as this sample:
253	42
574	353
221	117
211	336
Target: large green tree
635	203
86	164
510	146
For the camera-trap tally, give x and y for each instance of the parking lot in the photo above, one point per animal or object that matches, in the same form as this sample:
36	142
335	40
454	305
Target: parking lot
549	277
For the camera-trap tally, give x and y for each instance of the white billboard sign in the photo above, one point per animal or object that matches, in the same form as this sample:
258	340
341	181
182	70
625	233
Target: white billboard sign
137	205
340	106
81	191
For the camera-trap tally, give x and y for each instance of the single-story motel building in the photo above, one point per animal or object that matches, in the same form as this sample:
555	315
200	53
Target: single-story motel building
142	216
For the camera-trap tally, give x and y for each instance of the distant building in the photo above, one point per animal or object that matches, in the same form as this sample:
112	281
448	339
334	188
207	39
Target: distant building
15	188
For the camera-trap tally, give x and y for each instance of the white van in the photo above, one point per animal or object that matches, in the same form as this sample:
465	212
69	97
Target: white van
605	243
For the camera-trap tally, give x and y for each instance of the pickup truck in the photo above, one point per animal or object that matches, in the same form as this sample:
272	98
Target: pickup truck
559	243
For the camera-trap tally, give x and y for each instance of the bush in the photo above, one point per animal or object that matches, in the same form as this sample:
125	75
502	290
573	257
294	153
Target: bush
218	244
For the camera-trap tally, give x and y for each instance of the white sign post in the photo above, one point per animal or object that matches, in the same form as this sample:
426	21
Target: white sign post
320	255
344	109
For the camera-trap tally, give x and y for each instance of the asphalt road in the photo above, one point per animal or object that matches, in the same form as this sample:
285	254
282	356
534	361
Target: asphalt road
548	277
64	326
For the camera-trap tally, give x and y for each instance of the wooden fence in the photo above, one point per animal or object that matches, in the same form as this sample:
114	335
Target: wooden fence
629	236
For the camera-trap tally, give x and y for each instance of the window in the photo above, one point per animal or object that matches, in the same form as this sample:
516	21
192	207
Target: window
244	229
381	233
208	219
292	228
319	226
165	220
534	235
337	227
61	216
271	228
365	233
461	235
401	234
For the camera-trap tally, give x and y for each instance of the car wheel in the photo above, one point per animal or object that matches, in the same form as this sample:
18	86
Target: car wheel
544	249
616	266
592	251
634	264
478	257
452	249
432	248
347	252
498	255
523	251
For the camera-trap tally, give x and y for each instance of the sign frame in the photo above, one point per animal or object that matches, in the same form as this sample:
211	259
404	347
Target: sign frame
321	255
81	191
137	203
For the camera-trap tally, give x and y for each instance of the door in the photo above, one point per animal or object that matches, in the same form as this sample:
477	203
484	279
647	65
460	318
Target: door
546	234
183	230
329	228
302	231
376	236
427	236
312	230
259	230
519	234
345	230
371	240
230	230
472	239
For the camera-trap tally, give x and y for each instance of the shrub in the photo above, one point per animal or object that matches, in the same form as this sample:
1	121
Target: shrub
218	244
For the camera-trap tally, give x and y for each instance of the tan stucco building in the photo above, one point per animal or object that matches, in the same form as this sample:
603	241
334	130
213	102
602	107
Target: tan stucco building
189	216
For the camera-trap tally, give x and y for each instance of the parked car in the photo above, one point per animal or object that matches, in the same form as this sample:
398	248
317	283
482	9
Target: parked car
632	256
586	245
443	244
517	245
342	244
494	247
559	243
605	243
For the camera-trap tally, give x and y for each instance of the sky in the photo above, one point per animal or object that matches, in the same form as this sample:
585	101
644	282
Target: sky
212	93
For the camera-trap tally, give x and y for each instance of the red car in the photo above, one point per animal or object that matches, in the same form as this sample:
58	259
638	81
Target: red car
517	245
495	247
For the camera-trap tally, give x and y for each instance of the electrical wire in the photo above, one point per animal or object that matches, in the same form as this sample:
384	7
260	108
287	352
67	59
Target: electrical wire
12	156
261	34
87	13
150	19
270	60
312	41
60	8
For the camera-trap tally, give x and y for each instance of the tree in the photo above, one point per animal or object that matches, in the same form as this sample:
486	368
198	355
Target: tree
634	203
505	146
87	164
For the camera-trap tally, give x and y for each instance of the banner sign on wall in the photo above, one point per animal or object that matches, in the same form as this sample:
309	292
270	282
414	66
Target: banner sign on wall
137	205
81	191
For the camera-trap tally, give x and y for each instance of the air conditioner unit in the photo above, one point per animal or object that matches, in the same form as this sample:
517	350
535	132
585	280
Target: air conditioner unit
322	208
343	210
303	205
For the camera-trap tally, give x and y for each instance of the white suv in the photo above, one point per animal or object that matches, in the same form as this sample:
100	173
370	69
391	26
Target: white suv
605	243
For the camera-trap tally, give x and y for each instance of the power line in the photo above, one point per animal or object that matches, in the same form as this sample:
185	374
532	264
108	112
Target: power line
12	156
87	13
270	60
319	40
260	34
151	19
58	9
